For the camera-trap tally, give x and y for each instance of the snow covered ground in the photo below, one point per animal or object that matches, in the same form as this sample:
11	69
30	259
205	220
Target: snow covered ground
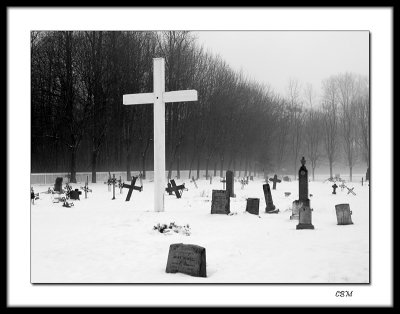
100	240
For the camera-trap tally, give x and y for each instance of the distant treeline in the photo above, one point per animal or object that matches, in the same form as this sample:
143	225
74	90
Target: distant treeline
79	123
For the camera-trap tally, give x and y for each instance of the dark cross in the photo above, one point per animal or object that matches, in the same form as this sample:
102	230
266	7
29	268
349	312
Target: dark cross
120	185
194	181
275	179
109	181
334	188
350	191
223	180
68	189
113	182
131	188
177	188
86	187
34	196
140	179
169	188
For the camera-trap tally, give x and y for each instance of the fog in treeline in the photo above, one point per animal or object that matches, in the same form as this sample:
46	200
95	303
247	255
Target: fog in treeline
78	121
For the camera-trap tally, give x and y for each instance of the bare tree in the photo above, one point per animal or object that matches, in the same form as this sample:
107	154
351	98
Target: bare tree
330	118
347	101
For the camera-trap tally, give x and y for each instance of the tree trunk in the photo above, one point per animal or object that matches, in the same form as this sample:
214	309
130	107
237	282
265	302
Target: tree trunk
313	171
128	167
215	168
330	168
351	173
73	167
94	165
221	171
144	166
198	167
246	164
178	171
207	163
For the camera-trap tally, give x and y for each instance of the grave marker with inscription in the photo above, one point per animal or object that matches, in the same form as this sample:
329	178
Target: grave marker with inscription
253	206
220	202
188	259
305	210
230	184
343	214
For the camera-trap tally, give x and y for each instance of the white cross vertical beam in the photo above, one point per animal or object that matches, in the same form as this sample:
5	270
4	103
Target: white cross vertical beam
159	97
159	134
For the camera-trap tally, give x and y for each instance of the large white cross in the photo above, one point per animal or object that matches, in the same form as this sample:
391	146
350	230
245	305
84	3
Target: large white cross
159	97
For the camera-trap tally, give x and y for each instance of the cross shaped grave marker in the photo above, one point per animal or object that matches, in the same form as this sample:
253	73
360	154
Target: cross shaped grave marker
114	183
159	97
109	181
86	187
34	196
68	189
194	181
350	190
120	185
275	180
342	186
131	188
223	180
169	188
178	189
334	186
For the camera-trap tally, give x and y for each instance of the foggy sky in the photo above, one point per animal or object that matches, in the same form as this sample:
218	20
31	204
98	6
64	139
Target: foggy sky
273	57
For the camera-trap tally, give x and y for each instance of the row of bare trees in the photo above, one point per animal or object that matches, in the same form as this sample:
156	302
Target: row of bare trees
79	122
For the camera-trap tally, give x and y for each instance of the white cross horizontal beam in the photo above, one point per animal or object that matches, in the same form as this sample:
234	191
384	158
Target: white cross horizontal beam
149	98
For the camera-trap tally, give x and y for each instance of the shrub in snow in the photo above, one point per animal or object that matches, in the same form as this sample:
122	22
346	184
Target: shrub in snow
172	228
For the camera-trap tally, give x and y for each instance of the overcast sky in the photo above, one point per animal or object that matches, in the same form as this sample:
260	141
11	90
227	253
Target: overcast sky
274	57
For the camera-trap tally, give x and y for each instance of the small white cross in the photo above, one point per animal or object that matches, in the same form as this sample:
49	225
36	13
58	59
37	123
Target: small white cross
159	97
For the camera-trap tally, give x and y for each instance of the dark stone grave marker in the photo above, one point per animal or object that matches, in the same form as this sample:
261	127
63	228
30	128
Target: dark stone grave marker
188	259
305	210
253	206
178	189
74	194
343	214
220	202
334	186
230	184
58	185
270	207
275	180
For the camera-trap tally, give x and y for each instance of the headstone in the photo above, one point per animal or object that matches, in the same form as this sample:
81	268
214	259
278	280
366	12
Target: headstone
286	179
296	205
275	180
343	214
86	187
188	259
334	186
305	217
287	194
230	184
270	207
74	194
131	188
58	185
220	202
305	210
253	206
